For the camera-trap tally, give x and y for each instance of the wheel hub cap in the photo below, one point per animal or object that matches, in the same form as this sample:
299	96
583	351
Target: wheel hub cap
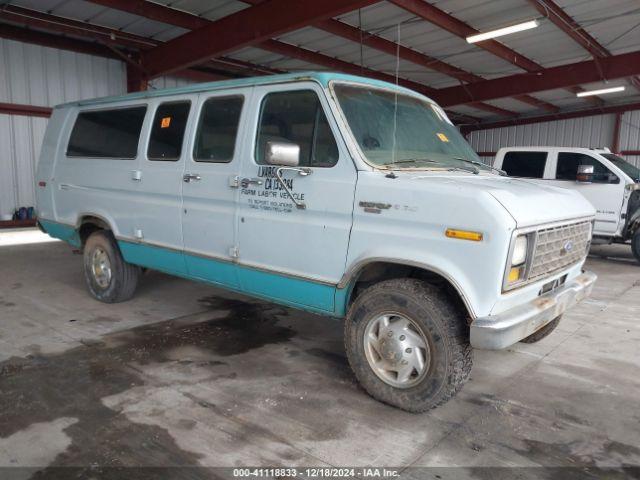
396	350
101	268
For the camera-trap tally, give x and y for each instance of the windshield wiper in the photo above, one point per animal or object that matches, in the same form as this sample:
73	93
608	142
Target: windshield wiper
410	160
473	170
480	164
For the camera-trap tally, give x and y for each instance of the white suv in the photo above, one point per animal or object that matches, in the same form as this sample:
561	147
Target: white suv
611	184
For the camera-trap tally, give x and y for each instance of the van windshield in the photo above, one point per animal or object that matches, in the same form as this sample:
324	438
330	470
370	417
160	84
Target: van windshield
395	130
626	167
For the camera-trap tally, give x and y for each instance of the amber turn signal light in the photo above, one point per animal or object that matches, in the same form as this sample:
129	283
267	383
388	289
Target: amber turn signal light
464	235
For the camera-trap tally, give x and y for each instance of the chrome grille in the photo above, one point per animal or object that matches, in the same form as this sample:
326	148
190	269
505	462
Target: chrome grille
559	247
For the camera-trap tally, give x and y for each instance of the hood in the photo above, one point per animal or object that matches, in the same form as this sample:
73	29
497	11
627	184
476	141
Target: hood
527	202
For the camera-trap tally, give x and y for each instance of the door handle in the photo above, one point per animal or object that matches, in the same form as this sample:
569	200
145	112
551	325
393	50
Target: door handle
191	177
304	171
245	182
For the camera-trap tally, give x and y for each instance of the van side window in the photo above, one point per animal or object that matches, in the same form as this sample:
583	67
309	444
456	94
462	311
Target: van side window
107	133
525	164
297	117
568	163
167	131
217	130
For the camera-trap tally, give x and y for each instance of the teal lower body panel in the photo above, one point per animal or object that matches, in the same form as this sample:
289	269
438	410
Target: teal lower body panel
282	288
295	292
213	271
156	258
66	233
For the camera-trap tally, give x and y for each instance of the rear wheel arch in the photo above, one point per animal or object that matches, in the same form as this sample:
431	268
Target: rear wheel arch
89	223
375	271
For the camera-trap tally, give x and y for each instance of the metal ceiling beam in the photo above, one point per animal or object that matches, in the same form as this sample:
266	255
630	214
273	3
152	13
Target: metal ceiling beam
463	119
305	55
617	66
34	18
550	118
134	81
25	110
569	26
28	35
157	12
574	30
459	28
186	20
291	51
356	35
242	29
131	42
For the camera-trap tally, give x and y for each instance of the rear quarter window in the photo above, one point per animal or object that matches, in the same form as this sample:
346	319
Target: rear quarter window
107	133
525	164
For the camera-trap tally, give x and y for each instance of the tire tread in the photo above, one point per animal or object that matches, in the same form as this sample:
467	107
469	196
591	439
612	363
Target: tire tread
449	315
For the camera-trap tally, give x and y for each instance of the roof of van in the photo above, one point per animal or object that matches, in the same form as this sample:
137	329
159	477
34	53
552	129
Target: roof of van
323	78
549	147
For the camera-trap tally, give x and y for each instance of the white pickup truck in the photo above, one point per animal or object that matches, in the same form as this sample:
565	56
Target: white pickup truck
610	183
340	195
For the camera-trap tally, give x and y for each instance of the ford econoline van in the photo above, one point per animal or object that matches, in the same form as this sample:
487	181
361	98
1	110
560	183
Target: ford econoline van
339	195
610	183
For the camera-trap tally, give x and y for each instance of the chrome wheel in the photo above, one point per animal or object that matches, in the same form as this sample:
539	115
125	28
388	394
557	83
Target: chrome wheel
397	351
101	267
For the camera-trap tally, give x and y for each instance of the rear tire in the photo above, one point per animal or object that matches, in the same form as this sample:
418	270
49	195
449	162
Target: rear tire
635	244
543	332
108	277
394	324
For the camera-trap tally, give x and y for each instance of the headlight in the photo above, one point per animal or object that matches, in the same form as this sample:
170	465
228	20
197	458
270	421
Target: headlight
519	251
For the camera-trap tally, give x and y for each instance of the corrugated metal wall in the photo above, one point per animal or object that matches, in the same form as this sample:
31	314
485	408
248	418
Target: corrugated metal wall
168	82
595	131
630	134
35	75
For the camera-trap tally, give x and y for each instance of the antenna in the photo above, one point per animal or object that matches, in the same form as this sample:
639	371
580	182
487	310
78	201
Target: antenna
395	102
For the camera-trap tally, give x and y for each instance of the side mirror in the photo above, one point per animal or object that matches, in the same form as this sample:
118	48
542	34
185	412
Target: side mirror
285	154
585	174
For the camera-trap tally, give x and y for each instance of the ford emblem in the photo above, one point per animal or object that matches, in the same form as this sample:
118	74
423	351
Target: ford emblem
566	248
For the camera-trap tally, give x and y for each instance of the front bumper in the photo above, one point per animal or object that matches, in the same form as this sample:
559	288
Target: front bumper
500	331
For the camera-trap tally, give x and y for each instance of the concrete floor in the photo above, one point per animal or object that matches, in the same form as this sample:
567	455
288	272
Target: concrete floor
186	374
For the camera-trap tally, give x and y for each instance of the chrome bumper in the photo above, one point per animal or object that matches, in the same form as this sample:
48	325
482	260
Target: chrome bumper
500	331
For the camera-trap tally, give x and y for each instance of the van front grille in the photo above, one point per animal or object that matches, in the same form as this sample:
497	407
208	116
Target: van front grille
559	247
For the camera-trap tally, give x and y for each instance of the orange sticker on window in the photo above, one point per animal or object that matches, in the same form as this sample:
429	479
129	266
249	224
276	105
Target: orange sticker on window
442	137
166	121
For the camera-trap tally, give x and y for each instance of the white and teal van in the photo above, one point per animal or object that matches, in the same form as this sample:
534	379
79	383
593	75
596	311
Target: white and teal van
340	195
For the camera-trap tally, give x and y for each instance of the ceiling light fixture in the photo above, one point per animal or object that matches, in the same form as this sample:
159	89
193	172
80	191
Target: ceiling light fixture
503	31
600	92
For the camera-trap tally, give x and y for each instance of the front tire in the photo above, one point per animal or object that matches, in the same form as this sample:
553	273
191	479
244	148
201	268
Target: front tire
635	245
408	344
108	277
